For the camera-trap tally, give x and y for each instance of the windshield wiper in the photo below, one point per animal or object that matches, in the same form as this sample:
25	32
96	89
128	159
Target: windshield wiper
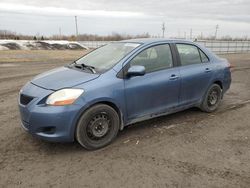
84	66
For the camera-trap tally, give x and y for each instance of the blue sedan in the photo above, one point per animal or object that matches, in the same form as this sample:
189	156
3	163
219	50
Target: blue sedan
119	84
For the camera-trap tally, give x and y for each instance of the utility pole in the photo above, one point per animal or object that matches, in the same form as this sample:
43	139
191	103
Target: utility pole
163	29
76	26
191	33
60	33
216	30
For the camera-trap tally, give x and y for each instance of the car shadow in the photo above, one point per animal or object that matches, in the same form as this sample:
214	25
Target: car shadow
132	131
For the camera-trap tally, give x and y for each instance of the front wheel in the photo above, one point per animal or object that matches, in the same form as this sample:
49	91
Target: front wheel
97	127
212	98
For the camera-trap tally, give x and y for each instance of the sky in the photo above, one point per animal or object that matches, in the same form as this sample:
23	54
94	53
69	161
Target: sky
103	17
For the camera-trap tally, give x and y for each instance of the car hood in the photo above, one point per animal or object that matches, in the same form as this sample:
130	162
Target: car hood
62	77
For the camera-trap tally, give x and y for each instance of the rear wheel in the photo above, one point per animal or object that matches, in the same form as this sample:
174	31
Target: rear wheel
97	127
212	98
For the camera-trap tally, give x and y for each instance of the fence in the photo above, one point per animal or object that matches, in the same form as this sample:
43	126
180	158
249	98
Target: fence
93	44
224	47
216	46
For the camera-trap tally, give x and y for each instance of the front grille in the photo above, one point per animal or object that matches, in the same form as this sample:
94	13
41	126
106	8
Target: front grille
24	99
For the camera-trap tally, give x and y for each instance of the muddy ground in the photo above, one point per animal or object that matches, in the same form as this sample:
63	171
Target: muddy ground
186	149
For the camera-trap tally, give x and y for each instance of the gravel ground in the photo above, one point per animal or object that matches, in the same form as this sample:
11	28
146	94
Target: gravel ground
186	149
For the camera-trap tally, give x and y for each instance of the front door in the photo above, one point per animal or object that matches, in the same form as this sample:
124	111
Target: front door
157	90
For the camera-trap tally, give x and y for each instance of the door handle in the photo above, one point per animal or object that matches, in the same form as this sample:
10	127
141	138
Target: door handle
173	77
208	70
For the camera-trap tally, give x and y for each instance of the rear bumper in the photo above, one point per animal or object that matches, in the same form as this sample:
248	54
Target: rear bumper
227	82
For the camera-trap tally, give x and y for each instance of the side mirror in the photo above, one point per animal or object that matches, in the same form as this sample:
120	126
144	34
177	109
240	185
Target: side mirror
136	70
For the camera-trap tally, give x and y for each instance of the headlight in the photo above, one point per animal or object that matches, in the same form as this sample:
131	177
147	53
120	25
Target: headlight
64	97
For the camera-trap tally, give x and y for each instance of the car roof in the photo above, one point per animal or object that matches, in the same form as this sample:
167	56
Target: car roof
154	40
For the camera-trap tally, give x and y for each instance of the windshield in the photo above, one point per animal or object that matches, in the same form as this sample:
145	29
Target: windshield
107	56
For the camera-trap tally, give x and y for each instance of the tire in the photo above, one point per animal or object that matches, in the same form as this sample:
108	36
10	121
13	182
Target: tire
212	98
97	127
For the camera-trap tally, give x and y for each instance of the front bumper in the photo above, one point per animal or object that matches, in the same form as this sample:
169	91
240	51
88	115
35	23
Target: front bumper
51	123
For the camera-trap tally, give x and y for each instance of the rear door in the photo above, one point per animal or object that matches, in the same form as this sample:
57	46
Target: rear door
158	89
196	73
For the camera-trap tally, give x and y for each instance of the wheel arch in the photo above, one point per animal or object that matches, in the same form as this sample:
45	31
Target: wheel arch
218	82
110	103
215	81
115	107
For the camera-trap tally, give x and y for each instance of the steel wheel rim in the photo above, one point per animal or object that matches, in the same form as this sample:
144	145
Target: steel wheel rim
213	97
99	126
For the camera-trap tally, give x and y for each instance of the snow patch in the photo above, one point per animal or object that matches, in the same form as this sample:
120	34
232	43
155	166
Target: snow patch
40	45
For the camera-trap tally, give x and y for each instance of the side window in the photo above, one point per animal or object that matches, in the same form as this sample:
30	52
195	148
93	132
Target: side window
189	54
204	58
154	58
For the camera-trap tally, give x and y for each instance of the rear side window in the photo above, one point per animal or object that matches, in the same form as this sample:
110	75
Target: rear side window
204	58
190	54
154	58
